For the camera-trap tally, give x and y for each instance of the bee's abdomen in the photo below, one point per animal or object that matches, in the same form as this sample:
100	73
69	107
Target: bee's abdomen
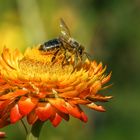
51	44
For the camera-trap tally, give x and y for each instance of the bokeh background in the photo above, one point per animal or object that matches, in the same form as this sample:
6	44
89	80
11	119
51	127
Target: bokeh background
110	32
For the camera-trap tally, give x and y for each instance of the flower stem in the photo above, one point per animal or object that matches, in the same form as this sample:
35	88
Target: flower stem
35	131
23	123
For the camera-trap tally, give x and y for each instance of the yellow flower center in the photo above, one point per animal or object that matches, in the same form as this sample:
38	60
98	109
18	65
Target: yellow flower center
39	65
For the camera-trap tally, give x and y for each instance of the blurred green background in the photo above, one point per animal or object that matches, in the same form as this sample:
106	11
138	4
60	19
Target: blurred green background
110	32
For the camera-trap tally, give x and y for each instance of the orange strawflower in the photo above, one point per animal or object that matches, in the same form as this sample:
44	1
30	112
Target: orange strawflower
32	86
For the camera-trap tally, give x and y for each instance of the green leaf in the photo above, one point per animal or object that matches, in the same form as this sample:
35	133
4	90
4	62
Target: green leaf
35	131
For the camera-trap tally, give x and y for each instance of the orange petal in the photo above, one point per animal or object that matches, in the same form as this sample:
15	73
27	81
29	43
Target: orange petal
95	87
26	105
32	117
56	120
69	94
74	110
2	81
64	89
98	68
79	101
81	86
108	86
4	87
60	104
63	115
6	106
106	79
13	94
3	123
84	94
15	114
98	97
44	111
96	107
83	117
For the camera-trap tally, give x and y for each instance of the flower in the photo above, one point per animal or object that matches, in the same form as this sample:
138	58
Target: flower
33	86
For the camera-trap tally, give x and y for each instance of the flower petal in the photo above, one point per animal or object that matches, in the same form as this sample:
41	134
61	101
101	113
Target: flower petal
32	117
69	94
44	111
96	107
99	97
3	123
95	87
74	110
5	106
83	117
13	94
106	79
26	105
59	104
79	101
15	114
56	120
62	115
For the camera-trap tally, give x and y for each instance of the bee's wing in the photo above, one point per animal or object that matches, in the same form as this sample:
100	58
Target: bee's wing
65	33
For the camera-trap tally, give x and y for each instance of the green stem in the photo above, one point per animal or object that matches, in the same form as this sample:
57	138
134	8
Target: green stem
35	131
23	123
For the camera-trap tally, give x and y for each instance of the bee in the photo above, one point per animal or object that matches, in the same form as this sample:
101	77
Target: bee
66	43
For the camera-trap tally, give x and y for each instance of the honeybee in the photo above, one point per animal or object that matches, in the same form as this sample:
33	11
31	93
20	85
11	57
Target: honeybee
66	43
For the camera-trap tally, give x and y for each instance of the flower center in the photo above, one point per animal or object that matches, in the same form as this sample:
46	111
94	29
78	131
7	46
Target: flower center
37	64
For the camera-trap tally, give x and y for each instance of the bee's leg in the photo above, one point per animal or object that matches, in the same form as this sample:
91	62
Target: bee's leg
64	59
54	56
74	65
87	55
80	58
77	61
67	60
77	58
74	57
65	55
71	60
